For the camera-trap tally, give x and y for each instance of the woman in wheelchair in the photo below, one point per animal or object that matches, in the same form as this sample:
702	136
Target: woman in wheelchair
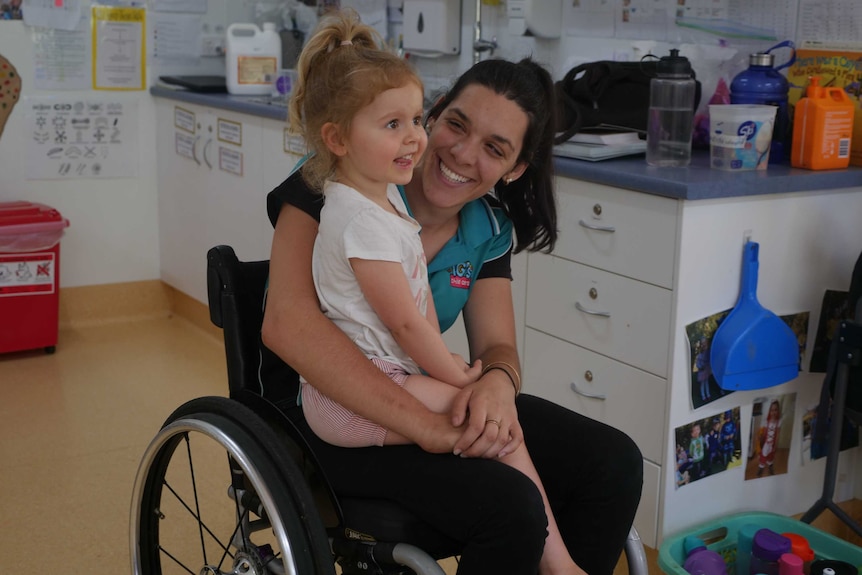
369	267
487	170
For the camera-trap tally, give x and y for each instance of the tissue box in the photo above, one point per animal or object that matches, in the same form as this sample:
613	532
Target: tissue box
836	65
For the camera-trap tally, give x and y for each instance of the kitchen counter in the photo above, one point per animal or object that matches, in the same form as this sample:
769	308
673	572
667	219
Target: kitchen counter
696	182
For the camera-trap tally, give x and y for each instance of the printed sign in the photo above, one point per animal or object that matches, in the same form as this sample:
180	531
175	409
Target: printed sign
229	132
184	119
26	274
230	160
72	137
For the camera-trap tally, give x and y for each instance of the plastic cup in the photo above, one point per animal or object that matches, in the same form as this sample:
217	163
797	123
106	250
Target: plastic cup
740	136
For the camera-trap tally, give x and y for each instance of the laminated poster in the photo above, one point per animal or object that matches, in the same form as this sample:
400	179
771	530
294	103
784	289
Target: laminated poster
74	137
119	48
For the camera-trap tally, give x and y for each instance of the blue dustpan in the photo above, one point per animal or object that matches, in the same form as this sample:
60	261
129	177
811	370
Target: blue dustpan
753	348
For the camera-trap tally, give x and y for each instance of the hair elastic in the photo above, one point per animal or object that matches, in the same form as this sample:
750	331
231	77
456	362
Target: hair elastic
346	43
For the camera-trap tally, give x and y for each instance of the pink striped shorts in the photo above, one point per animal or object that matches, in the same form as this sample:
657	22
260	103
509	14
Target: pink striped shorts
335	424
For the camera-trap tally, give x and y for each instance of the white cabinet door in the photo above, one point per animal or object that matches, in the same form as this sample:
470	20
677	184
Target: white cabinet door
235	207
625	232
210	167
182	173
599	387
607	313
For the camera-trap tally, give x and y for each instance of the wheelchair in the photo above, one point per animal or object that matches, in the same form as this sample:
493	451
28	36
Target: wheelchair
230	486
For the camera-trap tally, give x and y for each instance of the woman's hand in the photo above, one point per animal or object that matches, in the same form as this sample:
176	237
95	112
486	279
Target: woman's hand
486	412
439	435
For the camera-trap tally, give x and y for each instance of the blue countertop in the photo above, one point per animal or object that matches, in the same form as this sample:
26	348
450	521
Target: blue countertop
700	182
695	182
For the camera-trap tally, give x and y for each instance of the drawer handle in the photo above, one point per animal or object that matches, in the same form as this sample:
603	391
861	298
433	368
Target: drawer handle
590	226
195	150
599	396
579	307
206	158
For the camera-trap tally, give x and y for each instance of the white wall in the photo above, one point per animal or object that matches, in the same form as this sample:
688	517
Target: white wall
113	233
114	230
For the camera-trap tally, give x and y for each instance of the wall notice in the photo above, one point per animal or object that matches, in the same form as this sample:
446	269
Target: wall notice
119	50
81	138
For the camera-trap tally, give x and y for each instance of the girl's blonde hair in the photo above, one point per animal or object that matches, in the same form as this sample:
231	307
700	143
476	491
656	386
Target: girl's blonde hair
341	69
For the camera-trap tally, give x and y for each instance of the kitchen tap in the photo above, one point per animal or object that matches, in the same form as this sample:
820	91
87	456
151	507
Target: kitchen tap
480	44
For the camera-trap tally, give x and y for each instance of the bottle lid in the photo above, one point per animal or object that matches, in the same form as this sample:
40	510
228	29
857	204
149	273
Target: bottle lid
761	59
789	564
769	545
691	543
674	65
800	547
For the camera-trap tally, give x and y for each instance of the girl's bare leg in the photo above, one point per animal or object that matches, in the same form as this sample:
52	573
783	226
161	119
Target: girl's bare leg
438	397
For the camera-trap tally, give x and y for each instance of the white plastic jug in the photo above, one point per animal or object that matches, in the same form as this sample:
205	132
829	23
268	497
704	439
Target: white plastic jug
252	58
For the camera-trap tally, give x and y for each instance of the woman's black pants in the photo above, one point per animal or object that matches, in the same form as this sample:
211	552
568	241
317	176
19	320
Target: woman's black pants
592	474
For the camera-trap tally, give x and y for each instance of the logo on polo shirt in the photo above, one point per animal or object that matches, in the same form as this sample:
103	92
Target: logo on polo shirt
460	275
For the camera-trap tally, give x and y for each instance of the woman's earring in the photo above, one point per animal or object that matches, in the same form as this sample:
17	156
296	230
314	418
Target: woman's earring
509	181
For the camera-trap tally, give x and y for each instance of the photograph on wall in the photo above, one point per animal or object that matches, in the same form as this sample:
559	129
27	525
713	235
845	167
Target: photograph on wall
809	449
704	388
707	446
835	307
798	322
771	435
11	10
815	436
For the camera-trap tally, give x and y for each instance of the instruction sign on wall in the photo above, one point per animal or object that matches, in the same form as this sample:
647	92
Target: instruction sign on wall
81	138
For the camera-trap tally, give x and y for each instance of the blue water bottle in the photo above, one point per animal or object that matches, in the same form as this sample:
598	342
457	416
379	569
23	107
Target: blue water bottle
762	83
700	560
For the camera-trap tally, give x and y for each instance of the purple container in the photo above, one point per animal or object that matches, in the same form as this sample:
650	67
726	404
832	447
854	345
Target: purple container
766	549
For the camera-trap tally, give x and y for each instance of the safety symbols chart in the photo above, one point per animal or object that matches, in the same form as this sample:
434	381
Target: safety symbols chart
27	274
81	138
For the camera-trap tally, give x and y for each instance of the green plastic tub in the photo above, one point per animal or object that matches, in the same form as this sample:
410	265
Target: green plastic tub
720	536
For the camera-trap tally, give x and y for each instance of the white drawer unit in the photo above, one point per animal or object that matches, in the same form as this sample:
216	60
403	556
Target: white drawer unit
599	387
607	313
624	232
646	518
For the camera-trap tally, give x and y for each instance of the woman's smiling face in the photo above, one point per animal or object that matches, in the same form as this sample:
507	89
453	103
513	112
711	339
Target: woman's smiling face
474	143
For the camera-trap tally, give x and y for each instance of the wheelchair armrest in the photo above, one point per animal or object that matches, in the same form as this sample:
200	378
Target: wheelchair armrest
219	260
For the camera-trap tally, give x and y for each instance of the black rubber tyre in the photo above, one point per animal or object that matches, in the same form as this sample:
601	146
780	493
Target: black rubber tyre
185	519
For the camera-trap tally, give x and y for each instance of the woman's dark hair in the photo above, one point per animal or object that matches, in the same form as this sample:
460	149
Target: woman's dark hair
529	201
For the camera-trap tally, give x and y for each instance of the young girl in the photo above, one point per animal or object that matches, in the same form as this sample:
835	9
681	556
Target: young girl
769	439
360	109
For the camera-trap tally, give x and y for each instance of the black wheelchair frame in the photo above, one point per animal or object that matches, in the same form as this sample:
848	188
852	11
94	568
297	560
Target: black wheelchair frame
267	507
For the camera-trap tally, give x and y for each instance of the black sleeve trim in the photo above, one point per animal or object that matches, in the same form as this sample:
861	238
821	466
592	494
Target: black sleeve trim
296	192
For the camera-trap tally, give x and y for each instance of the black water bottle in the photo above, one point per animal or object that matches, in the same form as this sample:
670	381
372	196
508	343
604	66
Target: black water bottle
671	112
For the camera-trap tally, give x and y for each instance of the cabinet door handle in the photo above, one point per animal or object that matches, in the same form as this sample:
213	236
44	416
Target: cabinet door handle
195	150
590	226
581	308
599	396
206	159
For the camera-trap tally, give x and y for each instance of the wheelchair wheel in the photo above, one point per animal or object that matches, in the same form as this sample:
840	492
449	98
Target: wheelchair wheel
217	493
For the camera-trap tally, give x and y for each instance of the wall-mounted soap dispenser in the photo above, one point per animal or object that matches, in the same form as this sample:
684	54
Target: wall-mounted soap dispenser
542	18
432	27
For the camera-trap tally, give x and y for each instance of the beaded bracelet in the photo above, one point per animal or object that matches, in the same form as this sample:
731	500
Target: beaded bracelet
513	375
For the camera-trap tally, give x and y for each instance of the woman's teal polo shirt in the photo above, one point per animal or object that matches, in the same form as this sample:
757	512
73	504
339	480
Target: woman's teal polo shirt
481	247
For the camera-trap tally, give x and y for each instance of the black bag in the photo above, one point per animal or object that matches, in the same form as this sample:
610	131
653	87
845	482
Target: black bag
606	94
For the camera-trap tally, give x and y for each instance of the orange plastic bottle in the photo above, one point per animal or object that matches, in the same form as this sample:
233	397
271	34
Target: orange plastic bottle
822	128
